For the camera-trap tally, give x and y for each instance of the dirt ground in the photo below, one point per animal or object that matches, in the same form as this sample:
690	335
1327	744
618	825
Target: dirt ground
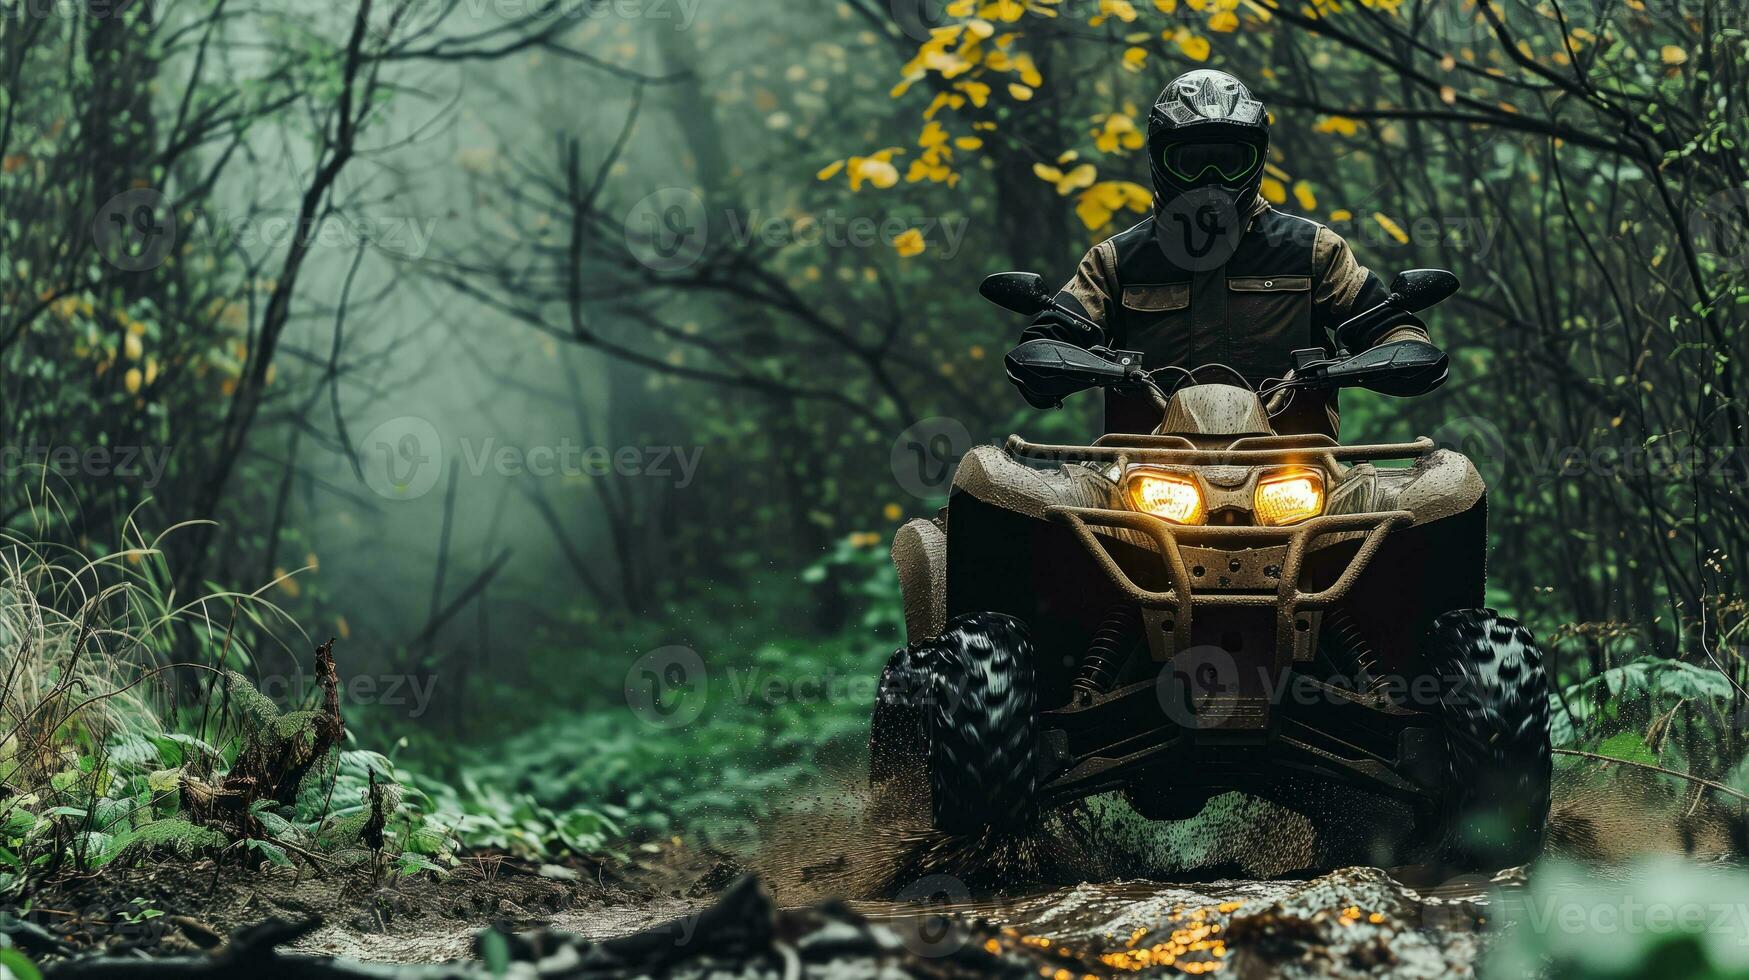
1093	902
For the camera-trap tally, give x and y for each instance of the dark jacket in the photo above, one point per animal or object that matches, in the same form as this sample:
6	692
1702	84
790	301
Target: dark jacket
1288	284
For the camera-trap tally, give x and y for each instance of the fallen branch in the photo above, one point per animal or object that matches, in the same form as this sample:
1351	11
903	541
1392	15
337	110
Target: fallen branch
1721	787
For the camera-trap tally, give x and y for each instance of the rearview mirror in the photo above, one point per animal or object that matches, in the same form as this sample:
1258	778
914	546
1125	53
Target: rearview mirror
1407	367
1418	289
1056	369
1022	292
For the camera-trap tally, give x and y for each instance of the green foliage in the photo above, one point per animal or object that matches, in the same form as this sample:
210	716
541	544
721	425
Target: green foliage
173	835
1662	916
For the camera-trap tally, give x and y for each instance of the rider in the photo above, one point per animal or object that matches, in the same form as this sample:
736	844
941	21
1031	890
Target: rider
1216	275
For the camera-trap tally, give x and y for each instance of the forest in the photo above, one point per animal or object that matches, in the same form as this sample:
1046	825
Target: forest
449	451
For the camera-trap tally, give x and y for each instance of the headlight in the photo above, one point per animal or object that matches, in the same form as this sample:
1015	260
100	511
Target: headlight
1288	497
1175	498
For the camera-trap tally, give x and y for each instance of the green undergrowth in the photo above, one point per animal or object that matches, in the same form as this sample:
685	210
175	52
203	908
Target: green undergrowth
783	714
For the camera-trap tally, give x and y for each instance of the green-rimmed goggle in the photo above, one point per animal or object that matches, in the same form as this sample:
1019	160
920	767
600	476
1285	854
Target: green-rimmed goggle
1191	162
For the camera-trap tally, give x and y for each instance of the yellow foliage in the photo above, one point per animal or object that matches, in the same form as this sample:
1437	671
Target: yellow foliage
1225	22
1342	214
1303	194
1098	203
1117	131
1067	183
1673	55
1195	47
1341	125
1391	228
1273	191
1019	92
1135	59
909	243
132	380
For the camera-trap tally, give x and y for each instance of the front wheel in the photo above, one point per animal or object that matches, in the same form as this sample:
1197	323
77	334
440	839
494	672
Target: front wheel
955	717
1495	711
981	725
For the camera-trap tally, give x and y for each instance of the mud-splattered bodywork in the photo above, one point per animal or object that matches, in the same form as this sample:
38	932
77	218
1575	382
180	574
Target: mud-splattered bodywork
1232	685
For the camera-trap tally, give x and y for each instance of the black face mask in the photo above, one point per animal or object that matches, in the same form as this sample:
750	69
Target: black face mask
1201	164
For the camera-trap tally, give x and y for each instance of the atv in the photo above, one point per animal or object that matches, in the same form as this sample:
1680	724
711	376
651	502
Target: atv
1215	607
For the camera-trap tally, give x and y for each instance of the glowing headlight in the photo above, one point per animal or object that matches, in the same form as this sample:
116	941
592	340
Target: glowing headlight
1288	497
1175	498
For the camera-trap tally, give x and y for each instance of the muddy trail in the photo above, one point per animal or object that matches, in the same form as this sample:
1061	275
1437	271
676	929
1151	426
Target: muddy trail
830	888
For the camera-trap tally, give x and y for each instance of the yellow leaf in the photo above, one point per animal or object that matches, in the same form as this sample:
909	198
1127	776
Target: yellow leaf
1391	228
132	380
1195	48
1135	58
1092	212
892	512
1019	92
1028	71
1273	191
968	142
151	369
1342	214
980	28
1046	172
131	347
1303	194
978	92
909	243
1077	178
1166	6
830	170
1225	22
1448	95
1337	124
1674	55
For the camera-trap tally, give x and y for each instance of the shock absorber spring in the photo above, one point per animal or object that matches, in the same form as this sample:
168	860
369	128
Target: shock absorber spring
1110	648
1343	634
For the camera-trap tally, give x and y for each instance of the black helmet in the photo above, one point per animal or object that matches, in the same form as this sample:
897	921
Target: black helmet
1207	131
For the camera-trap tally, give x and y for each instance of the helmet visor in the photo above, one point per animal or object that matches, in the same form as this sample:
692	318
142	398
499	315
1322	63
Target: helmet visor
1196	163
